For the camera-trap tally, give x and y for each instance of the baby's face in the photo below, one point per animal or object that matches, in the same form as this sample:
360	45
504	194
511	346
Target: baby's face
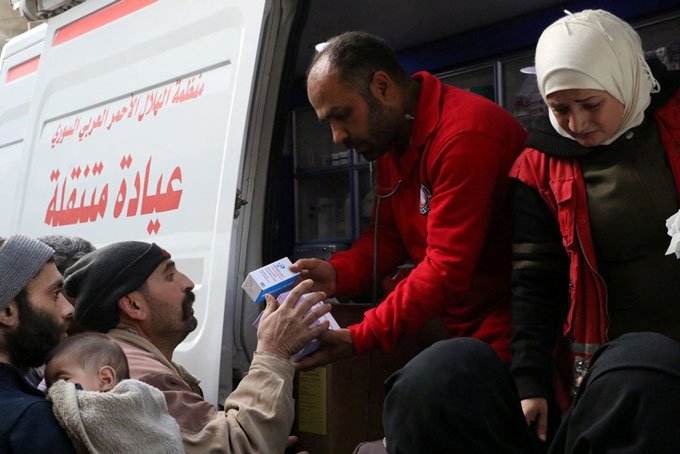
66	367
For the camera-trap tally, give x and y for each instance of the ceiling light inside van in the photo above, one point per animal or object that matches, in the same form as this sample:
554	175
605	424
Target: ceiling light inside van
528	70
321	46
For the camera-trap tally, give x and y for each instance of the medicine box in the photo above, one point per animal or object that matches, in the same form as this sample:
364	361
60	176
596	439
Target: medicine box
274	279
313	345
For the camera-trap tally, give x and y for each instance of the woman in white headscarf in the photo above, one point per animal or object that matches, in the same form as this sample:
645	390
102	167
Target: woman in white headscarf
592	191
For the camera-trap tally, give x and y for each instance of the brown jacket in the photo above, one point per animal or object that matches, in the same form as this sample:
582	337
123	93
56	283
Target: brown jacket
257	416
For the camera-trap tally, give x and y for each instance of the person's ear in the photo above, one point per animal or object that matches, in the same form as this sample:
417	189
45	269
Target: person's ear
106	377
381	86
131	306
9	315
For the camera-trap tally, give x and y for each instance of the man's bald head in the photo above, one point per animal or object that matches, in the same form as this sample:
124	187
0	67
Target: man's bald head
354	57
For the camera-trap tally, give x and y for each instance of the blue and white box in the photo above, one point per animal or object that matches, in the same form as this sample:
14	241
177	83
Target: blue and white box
274	279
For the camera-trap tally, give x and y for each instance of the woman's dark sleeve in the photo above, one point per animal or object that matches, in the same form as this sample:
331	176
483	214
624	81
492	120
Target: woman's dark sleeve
540	289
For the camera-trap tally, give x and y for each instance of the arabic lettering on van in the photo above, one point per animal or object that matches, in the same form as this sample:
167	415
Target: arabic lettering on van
136	195
126	162
182	90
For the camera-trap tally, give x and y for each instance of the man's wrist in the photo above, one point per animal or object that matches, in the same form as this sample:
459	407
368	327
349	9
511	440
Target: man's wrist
269	349
273	363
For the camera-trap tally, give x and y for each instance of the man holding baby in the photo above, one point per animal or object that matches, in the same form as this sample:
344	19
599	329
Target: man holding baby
134	292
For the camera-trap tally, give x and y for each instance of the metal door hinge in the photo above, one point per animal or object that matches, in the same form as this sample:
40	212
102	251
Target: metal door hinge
239	203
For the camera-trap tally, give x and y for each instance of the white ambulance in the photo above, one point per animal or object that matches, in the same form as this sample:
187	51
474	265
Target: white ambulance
154	120
143	119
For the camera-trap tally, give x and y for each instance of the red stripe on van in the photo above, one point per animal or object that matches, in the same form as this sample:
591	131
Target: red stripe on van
95	20
23	69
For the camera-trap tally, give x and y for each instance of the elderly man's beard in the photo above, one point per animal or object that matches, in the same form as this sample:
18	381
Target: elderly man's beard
30	342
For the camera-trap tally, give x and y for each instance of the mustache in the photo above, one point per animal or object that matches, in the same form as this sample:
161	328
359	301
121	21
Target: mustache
189	298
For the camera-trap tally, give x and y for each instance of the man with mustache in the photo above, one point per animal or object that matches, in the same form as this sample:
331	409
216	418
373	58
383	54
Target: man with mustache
133	291
34	316
443	155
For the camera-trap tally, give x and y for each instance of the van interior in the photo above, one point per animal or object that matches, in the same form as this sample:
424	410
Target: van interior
318	196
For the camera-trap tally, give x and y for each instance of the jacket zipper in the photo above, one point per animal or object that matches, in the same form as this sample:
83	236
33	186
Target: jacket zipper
597	275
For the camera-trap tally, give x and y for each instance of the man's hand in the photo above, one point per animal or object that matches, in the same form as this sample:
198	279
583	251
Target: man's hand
320	271
334	345
292	441
536	410
283	331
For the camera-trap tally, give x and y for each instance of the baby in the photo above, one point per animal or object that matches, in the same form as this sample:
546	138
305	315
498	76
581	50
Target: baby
100	407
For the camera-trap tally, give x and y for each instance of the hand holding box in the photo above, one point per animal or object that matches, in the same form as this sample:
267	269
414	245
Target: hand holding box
314	344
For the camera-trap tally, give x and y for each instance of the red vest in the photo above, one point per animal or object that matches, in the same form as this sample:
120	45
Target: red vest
559	181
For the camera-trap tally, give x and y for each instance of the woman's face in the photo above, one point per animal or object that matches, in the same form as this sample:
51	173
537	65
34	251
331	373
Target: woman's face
589	116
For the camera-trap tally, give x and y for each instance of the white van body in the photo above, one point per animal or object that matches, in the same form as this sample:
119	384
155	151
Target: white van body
134	124
143	119
21	55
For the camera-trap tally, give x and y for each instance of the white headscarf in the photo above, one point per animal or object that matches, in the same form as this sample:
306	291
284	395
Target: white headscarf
594	49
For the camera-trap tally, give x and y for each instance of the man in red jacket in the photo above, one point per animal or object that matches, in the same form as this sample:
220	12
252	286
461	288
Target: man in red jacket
443	156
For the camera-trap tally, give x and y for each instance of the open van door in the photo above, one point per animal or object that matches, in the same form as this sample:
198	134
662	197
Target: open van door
141	127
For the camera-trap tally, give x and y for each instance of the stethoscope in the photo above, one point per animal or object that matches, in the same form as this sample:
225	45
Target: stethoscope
379	194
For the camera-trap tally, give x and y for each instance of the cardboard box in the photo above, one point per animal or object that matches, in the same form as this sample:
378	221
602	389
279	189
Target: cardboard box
274	279
340	405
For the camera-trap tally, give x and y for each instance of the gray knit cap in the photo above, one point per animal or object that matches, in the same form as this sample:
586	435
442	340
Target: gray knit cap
21	258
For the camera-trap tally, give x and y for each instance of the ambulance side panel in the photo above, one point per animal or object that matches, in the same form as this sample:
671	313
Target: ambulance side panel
19	64
136	131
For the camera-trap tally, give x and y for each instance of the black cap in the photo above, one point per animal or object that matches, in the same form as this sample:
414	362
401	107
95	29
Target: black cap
99	279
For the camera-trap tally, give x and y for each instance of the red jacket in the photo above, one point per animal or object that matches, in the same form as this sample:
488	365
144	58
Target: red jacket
449	217
560	183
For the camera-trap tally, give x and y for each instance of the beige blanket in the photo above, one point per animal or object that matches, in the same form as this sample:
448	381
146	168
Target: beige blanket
132	417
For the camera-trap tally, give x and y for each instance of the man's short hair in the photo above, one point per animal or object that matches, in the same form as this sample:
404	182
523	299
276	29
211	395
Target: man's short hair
93	351
67	249
101	278
356	56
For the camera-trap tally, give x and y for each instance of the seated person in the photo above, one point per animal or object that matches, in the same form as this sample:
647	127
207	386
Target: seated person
627	402
90	389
